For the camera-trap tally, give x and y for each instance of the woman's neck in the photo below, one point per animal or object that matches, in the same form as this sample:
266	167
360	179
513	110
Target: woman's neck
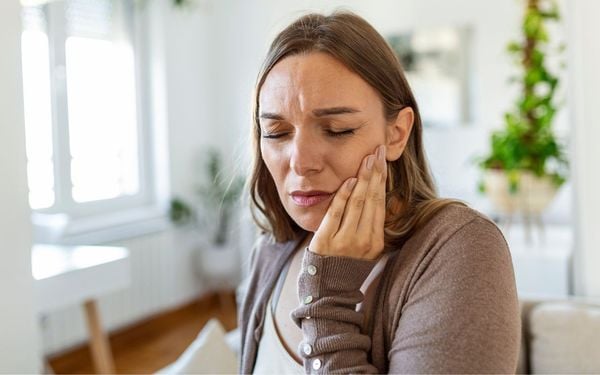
306	241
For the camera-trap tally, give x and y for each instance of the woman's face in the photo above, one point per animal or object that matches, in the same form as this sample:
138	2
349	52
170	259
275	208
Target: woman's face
318	121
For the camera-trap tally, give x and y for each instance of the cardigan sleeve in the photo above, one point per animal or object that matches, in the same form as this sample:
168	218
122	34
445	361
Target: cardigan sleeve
462	314
329	290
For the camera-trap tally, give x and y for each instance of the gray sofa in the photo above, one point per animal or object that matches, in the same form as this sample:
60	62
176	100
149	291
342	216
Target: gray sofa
560	336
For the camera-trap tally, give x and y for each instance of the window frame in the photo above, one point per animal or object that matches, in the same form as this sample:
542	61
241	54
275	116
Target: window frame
68	221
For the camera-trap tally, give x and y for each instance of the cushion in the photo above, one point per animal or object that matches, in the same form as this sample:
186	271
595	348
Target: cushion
234	341
564	338
209	353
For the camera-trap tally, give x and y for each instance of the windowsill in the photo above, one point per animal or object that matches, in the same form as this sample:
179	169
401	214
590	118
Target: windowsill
99	229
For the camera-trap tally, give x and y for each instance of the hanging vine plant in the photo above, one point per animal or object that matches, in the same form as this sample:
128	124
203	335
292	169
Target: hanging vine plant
527	141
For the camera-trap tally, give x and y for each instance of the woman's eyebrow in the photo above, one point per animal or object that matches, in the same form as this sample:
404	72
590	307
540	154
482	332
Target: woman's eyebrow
334	111
270	116
321	112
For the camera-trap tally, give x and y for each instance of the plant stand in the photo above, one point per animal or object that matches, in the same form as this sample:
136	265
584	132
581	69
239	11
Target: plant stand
542	269
219	267
530	199
531	223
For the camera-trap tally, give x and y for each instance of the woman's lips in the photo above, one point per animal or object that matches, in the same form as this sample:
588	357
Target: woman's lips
304	200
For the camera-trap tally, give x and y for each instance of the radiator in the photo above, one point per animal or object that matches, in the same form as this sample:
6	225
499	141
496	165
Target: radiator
154	259
163	276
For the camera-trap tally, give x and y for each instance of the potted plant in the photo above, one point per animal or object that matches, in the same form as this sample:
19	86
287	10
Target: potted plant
527	164
217	200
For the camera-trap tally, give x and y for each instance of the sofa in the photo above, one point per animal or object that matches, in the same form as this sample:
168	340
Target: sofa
558	336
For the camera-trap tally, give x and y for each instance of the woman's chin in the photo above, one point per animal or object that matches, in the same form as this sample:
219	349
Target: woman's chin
309	228
309	222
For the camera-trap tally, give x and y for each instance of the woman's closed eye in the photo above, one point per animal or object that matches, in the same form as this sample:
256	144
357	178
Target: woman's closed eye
328	132
274	130
342	133
273	135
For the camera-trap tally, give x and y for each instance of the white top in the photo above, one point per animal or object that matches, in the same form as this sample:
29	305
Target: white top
272	356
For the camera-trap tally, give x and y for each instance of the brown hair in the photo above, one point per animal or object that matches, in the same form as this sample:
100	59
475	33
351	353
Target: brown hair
411	197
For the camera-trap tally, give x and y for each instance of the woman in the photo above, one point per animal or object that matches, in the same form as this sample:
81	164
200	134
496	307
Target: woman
362	268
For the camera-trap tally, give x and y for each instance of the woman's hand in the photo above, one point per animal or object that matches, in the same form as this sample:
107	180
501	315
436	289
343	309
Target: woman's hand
353	224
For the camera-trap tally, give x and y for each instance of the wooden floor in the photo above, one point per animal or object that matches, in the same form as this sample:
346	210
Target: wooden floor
153	344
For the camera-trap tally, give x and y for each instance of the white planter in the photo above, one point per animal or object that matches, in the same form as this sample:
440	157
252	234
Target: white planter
532	197
218	266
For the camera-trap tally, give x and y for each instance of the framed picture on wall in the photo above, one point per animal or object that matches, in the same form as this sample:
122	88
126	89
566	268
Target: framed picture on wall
436	63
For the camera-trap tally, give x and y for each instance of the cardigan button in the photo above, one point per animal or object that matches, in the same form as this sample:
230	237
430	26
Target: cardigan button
311	269
308	299
307	349
316	364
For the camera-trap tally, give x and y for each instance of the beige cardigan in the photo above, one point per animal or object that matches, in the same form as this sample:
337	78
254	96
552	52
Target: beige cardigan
445	302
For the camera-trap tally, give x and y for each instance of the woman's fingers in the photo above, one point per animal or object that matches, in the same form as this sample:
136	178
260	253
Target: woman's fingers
353	223
332	219
356	202
379	219
375	198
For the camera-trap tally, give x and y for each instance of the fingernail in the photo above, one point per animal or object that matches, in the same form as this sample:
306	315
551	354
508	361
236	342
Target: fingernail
370	162
351	182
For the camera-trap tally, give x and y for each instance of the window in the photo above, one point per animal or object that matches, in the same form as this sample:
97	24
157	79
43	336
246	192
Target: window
85	155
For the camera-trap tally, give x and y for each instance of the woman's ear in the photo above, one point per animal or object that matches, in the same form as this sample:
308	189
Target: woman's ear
398	132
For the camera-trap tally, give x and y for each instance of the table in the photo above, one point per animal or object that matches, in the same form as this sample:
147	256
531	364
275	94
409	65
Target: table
78	275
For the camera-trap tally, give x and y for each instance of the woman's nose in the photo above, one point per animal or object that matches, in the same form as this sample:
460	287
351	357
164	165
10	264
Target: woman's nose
305	157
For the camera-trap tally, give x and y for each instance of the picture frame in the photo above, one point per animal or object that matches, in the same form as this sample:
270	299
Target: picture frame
436	62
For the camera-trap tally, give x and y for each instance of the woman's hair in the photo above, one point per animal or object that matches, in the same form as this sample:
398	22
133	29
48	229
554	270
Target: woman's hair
411	197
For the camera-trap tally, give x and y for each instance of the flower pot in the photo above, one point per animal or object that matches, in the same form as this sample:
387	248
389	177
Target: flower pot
532	197
218	265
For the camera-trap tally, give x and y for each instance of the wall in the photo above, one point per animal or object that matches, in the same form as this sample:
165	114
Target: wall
19	338
585	91
239	33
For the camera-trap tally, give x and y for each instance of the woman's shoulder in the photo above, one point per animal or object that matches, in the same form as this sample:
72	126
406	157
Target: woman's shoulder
460	214
266	250
458	220
453	278
455	233
262	249
458	246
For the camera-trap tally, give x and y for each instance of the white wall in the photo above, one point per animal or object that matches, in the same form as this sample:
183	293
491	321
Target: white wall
18	326
190	66
230	38
585	91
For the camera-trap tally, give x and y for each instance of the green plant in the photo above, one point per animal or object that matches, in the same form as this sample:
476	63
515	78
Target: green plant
527	141
218	196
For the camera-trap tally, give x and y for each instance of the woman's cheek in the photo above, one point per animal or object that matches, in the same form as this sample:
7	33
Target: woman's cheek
266	154
353	164
272	160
